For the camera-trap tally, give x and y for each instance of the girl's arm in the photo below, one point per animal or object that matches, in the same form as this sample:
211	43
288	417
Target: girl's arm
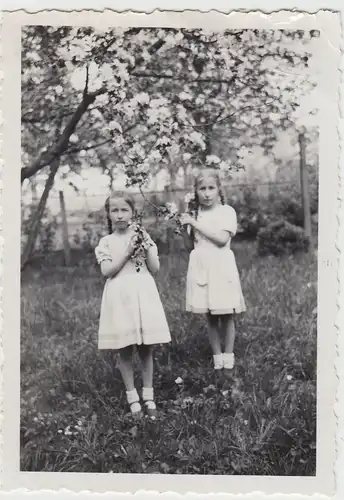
110	268
218	236
152	257
152	260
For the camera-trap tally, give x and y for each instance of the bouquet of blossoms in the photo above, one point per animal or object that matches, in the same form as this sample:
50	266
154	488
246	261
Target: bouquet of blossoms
170	210
142	243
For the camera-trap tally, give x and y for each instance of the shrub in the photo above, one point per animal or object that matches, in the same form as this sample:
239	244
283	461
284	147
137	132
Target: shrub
253	213
167	241
46	238
281	237
88	238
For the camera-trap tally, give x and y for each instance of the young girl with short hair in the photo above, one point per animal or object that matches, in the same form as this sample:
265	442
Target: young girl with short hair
131	310
213	284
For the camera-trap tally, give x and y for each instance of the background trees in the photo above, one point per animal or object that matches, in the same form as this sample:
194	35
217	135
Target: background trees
138	102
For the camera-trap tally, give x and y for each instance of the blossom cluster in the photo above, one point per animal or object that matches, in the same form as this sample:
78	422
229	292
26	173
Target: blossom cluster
170	210
142	244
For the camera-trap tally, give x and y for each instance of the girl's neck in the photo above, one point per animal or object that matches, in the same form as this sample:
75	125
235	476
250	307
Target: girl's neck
121	231
207	208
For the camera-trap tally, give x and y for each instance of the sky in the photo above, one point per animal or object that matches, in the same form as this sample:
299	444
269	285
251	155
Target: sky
93	182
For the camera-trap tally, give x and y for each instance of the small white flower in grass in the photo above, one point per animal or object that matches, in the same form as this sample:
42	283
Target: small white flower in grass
289	377
60	431
188	400
224	393
179	380
245	422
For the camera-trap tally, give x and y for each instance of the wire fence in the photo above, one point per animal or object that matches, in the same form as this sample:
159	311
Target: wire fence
85	217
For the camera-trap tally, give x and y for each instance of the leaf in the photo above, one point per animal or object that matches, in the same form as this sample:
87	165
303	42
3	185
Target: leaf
134	431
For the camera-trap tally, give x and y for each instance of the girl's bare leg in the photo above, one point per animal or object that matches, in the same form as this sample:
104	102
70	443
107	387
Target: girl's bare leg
215	340
127	371
126	367
146	356
214	334
228	325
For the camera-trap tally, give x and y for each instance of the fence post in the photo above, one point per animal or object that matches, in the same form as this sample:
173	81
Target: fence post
36	219
307	221
65	238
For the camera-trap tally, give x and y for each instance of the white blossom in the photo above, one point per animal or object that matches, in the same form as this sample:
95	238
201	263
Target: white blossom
188	197
212	159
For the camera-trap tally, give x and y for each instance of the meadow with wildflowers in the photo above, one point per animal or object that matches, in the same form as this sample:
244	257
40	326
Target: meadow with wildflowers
259	419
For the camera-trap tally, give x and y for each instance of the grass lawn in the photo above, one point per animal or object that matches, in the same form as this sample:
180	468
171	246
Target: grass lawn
259	420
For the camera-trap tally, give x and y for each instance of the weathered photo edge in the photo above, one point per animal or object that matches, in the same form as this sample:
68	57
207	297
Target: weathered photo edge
327	262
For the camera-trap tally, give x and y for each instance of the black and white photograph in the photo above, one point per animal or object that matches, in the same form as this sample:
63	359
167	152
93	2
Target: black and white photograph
169	250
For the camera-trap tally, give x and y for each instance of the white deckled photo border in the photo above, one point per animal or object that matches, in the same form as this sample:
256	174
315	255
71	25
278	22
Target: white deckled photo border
328	256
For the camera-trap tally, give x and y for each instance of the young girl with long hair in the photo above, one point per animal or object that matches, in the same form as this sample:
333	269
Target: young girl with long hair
213	284
131	310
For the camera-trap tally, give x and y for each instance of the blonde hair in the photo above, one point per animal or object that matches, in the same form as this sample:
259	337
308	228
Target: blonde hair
208	172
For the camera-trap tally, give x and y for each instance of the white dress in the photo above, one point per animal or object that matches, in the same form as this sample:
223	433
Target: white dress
131	310
213	282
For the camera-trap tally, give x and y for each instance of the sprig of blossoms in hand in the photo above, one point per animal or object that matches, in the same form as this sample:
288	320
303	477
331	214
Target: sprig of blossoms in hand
191	204
170	211
142	244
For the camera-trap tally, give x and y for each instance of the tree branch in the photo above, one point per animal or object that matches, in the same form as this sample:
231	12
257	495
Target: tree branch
48	156
143	74
87	148
88	98
86	81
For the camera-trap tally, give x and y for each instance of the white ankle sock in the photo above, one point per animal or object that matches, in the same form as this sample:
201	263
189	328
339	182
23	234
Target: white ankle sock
148	397
133	400
218	361
228	360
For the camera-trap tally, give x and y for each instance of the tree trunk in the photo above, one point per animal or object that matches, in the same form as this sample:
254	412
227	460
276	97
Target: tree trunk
65	238
56	151
36	220
307	221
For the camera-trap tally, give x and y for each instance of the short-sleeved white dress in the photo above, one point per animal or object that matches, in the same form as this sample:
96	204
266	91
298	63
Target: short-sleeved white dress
131	309
213	282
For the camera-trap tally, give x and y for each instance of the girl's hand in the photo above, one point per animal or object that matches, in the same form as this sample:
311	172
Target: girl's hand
186	219
145	235
132	244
